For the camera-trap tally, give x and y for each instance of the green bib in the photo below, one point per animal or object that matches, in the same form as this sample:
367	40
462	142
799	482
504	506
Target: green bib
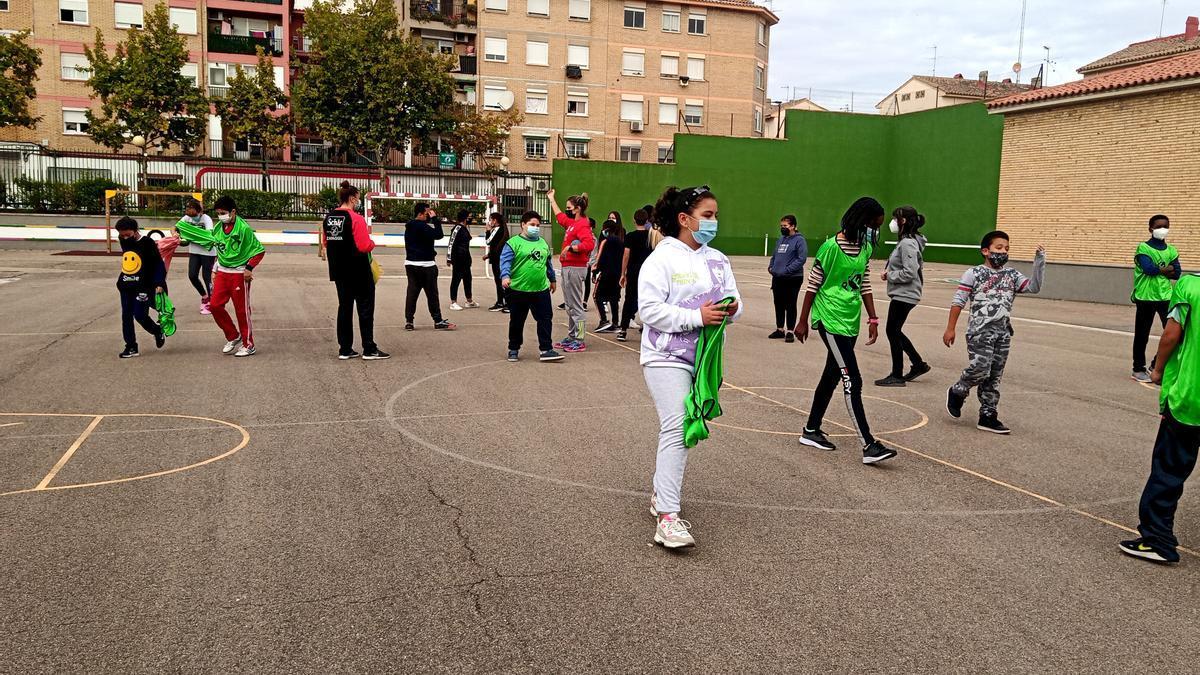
530	258
838	305
1152	288
1181	376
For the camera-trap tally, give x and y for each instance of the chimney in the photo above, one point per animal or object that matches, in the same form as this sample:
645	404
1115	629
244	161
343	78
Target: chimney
1192	28
1008	80
958	76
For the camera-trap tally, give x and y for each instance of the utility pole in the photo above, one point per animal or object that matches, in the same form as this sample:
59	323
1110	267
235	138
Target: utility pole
1021	40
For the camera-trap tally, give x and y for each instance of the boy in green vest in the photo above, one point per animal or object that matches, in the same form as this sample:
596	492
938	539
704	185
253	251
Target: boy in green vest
527	275
1155	264
1177	369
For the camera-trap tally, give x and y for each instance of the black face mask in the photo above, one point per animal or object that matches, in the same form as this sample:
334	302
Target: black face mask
784	231
998	260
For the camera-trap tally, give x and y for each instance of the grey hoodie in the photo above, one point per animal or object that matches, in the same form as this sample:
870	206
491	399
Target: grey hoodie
905	274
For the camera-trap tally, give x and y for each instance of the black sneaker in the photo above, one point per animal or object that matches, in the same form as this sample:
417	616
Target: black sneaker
606	328
877	452
346	356
790	337
496	307
562	305
160	339
990	423
777	335
622	335
512	356
444	325
1138	548
550	355
890	381
954	403
505	310
376	354
129	353
816	439
409	326
917	370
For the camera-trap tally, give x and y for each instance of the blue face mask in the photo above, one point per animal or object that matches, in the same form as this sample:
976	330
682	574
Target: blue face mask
707	231
534	231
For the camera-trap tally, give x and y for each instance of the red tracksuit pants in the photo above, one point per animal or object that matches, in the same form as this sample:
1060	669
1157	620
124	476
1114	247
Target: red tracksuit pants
232	286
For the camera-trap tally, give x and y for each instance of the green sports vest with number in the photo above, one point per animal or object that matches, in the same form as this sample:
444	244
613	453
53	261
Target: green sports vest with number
1181	376
838	305
1155	288
530	258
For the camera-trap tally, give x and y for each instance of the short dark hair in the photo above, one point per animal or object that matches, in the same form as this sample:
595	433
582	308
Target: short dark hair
126	224
420	208
463	214
1157	217
225	203
988	238
194	203
495	215
528	216
789	219
640	217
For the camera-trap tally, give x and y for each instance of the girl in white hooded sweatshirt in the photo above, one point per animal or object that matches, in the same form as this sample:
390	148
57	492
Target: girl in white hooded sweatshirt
678	288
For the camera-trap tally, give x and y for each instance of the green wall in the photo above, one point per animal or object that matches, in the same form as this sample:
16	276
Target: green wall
945	162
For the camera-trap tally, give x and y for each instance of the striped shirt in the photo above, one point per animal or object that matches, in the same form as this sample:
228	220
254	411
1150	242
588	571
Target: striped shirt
816	275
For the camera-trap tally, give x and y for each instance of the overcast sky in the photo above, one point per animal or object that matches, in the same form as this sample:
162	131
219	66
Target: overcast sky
873	46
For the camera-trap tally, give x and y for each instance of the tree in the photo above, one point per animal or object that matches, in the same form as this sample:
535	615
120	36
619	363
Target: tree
145	100
478	133
252	111
368	85
19	63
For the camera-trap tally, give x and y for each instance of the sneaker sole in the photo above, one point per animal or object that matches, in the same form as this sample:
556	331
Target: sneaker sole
876	460
550	359
242	356
1152	556
672	544
814	444
130	356
513	360
892	384
376	358
994	431
343	357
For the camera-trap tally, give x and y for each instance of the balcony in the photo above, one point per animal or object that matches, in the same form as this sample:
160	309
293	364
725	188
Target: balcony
217	91
466	65
449	12
244	44
301	45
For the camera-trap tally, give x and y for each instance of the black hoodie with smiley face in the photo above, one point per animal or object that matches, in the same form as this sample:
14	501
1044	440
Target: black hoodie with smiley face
141	267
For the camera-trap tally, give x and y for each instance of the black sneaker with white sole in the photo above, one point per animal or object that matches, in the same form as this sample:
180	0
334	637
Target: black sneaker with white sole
496	307
816	439
376	354
877	452
954	403
346	356
513	356
990	423
129	353
622	335
1138	548
409	326
160	339
550	355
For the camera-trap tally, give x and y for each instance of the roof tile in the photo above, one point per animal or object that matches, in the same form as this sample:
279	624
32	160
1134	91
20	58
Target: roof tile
959	86
1182	67
1141	51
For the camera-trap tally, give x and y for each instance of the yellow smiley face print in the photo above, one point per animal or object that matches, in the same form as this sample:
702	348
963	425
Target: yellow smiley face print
131	263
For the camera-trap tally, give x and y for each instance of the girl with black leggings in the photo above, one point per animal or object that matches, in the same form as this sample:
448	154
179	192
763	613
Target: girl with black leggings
200	258
905	277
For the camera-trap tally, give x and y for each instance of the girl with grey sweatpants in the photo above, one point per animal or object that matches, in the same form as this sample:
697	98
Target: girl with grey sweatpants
678	286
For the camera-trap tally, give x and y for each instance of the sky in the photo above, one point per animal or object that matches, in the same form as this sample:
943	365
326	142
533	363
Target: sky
871	47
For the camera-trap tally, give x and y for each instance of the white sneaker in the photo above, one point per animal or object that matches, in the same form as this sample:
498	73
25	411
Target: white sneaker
472	305
246	351
456	307
672	532
231	346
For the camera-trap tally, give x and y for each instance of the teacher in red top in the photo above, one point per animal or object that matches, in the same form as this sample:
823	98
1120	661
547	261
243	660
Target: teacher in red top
348	247
578	243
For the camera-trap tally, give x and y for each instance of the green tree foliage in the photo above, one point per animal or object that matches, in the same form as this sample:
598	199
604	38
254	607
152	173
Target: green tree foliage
476	132
253	111
142	92
19	62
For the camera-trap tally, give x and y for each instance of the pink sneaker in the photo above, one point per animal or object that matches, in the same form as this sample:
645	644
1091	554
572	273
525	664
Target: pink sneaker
204	308
575	347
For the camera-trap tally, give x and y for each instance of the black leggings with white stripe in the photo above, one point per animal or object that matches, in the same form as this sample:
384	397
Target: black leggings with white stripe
840	365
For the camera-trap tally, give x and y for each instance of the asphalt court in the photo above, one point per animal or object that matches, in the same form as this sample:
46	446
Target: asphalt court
447	510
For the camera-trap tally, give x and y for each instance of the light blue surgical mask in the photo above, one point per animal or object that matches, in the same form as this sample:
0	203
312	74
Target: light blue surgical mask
534	231
707	231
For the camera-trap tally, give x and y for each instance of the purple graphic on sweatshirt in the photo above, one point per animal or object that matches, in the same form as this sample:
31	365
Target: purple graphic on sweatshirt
682	346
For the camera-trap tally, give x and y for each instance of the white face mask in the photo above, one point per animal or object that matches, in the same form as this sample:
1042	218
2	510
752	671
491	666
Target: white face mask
894	226
223	217
1160	233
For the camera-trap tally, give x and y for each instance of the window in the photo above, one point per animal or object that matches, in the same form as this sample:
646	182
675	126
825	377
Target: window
74	66
631	111
905	97
762	33
693	114
920	94
537	53
670	21
3	5
577	103
666	154
759	77
535	147
668	111
493	97
216	76
495	49
697	24
635	17
191	71
184	20
696	67
127	15
580	9
539	7
633	63
496	150
631	153
670	66
74	121
758	120
577	148
537	101
578	55
496	5
73	11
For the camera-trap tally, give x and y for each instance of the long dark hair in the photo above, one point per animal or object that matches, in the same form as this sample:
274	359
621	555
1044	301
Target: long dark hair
913	221
674	202
860	217
613	230
617	219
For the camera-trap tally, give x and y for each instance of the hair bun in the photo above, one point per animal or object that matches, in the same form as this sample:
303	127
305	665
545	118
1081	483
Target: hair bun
345	184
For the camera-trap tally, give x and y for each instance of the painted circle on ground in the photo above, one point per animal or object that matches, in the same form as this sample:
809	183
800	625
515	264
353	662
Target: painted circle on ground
924	419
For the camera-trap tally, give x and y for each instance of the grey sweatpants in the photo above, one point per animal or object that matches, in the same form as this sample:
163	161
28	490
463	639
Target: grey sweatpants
987	352
669	387
572	284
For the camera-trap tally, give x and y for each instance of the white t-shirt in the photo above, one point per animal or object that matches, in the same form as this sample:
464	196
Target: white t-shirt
201	221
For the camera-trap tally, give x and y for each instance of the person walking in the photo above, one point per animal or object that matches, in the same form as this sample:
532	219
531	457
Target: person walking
458	259
1155	264
420	266
142	276
496	238
527	272
348	247
608	276
637	249
787	277
905	277
200	258
578	244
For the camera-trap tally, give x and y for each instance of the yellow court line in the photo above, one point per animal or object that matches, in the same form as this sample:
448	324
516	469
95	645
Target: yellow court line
62	461
11	424
956	467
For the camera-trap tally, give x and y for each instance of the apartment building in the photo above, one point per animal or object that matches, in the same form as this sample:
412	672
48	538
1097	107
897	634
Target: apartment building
617	79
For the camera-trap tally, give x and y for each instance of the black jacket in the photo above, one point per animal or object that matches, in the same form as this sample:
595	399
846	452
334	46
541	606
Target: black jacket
459	251
419	236
496	239
142	267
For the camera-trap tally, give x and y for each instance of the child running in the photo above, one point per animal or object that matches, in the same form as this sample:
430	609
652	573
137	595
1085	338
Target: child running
238	253
142	276
905	277
839	286
200	258
496	238
458	259
637	249
578	244
1177	369
527	274
608	275
991	289
1155	264
680	287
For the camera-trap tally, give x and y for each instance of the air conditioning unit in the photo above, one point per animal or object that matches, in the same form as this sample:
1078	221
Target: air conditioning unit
684	80
574	72
636	126
541	186
462	37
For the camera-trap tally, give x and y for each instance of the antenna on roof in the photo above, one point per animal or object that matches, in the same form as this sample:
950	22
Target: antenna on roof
1162	18
1021	40
934	73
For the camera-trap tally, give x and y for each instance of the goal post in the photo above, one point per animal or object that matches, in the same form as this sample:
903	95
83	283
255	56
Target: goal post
491	201
110	194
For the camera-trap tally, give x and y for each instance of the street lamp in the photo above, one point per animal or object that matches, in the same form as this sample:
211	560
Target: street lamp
504	161
139	142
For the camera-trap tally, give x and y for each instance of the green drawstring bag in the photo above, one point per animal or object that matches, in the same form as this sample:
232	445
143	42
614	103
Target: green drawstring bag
166	313
702	403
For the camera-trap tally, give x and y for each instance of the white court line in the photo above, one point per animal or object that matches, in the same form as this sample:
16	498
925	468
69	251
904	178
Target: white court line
1040	322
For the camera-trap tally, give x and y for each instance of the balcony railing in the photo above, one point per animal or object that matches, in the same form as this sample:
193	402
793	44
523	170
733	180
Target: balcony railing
265	2
217	91
244	44
449	12
301	45
466	64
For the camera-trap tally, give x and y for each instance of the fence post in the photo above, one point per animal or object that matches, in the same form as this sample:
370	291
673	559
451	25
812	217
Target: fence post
108	195
766	243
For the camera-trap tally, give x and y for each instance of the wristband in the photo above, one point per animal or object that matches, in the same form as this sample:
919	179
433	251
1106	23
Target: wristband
873	321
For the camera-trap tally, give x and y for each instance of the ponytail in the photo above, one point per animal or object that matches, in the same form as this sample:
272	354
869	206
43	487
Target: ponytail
345	192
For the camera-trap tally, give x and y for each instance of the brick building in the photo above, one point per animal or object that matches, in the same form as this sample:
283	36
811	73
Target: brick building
925	92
